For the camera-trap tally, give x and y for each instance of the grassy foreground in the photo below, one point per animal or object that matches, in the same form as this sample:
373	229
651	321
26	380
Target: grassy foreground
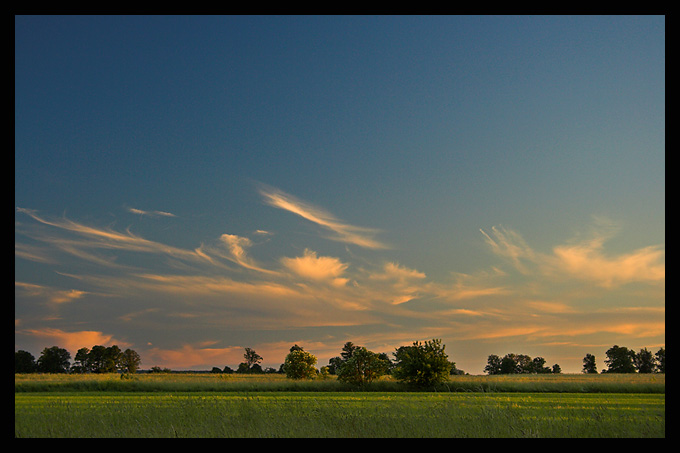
257	407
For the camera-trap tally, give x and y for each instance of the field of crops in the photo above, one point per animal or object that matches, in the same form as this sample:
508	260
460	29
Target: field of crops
205	405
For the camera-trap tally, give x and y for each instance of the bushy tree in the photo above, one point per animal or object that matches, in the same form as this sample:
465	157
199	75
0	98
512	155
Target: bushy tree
24	362
299	364
493	365
423	364
589	365
81	363
661	360
54	360
362	367
644	361
538	366
129	361
620	360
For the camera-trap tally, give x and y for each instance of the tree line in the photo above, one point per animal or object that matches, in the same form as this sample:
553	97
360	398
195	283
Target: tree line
420	364
619	360
623	360
99	359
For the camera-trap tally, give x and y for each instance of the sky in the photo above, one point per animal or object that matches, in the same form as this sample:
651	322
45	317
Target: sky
189	186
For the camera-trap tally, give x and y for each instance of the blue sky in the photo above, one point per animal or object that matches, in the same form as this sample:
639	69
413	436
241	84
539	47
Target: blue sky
189	186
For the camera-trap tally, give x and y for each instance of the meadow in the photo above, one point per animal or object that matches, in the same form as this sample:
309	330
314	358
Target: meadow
258	406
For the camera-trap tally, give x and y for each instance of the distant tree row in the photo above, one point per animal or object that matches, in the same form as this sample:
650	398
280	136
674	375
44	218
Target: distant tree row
518	364
619	360
623	360
99	359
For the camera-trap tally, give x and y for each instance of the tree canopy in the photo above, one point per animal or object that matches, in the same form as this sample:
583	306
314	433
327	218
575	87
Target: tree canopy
362	366
422	364
299	364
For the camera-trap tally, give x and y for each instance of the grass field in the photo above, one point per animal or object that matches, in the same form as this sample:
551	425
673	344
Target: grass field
204	405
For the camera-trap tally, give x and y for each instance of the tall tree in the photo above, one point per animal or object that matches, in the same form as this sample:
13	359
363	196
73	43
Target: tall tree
589	365
251	357
130	361
493	365
644	361
81	363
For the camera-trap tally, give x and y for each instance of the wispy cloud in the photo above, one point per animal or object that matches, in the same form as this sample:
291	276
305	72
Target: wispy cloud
51	295
342	232
238	248
584	259
100	238
150	213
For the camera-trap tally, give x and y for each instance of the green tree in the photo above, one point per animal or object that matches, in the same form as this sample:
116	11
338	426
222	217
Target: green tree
620	360
299	364
54	360
252	357
334	365
96	359
661	360
348	350
516	364
589	365
362	367
455	371
81	363
644	361
388	363
112	356
24	362
538	366
493	365
422	364
130	361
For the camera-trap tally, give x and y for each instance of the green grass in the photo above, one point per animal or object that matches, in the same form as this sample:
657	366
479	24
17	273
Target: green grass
218	405
207	382
338	414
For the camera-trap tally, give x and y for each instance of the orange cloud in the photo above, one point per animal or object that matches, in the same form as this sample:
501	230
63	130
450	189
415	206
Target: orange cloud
55	296
72	341
588	263
584	260
318	268
189	356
